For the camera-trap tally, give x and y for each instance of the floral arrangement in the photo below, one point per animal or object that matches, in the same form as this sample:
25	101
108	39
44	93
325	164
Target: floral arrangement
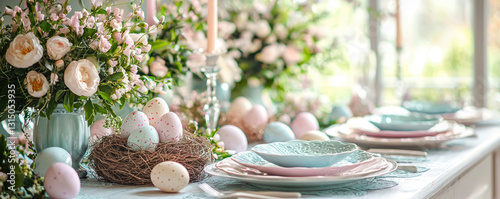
14	159
269	37
88	60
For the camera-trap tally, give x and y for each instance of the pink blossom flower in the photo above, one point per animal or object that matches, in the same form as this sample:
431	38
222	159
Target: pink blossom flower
108	10
127	51
17	9
115	24
133	69
118	37
90	22
104	44
96	3
94	45
112	63
68	8
139	57
8	11
100	27
59	64
118	13
64	30
54	17
40	16
53	78
158	68
270	53
291	55
146	48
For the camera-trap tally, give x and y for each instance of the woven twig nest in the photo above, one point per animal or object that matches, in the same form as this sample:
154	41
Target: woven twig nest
114	161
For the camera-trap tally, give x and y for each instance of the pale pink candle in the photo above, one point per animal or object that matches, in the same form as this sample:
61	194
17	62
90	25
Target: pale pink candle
151	14
212	25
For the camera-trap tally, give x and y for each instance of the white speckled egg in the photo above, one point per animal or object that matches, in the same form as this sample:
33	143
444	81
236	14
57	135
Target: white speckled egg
45	159
256	117
155	108
133	121
143	138
304	122
169	176
314	135
61	181
238	108
278	132
169	127
233	138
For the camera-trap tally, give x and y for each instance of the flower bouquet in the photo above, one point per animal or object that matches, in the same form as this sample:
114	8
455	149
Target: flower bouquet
88	60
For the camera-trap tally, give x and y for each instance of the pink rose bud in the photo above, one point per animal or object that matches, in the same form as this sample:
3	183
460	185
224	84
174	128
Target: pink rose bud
60	64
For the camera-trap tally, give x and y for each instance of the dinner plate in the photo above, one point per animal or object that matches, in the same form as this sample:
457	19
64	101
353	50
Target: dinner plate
344	132
359	160
412	122
430	107
442	127
302	183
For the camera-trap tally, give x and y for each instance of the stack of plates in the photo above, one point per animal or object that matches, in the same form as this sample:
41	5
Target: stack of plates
397	130
348	166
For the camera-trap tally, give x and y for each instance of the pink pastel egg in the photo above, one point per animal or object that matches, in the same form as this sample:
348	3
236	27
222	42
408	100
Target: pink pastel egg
98	130
256	117
143	138
304	122
170	176
169	127
134	120
155	108
238	108
61	181
233	138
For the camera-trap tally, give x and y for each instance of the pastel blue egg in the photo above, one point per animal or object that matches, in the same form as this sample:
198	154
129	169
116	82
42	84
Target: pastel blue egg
278	132
339	112
45	159
143	138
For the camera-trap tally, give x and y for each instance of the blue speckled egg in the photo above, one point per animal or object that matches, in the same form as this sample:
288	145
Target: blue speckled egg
143	138
278	132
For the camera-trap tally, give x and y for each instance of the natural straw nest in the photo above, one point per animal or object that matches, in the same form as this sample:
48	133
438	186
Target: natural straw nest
114	161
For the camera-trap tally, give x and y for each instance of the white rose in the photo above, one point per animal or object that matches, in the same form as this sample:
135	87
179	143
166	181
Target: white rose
37	84
24	51
81	77
143	38
57	47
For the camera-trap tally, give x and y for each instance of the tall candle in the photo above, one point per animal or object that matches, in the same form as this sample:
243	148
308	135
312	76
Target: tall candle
399	39
212	25
151	14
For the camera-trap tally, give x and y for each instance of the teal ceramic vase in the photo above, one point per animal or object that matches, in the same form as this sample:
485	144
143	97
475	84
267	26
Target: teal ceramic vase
66	130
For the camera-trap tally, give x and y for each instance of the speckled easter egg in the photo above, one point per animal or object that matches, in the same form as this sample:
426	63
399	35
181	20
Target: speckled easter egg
49	156
143	138
233	138
314	135
61	181
278	132
169	127
169	176
304	122
134	120
256	117
155	108
238	108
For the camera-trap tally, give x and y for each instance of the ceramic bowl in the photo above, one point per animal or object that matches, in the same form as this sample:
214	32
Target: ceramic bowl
430	107
299	153
412	122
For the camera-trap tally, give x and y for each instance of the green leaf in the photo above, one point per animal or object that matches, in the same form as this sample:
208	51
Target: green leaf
105	96
102	11
59	94
69	99
116	76
100	109
51	107
89	111
45	26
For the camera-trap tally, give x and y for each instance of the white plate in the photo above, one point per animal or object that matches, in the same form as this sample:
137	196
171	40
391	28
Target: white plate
302	183
233	168
345	133
357	160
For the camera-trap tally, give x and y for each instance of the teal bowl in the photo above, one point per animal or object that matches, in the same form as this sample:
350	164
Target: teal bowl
413	122
299	153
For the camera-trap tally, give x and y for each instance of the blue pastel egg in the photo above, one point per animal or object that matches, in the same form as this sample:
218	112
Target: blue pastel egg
45	159
278	132
143	138
340	112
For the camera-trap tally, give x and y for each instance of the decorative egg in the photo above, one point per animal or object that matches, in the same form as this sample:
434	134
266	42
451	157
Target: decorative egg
233	138
133	121
169	127
143	138
61	181
340	112
238	108
278	132
97	130
155	108
47	157
314	135
170	176
304	122
256	117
